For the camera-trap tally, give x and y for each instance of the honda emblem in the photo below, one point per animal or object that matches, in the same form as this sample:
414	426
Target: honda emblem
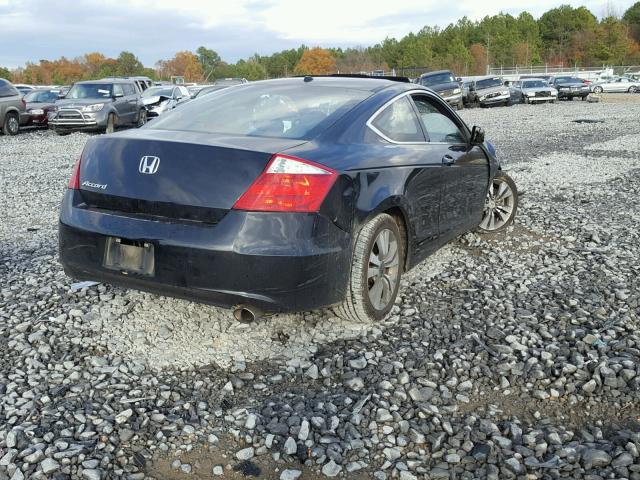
149	164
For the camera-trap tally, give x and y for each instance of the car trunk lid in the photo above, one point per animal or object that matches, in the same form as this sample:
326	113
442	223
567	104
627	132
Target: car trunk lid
186	176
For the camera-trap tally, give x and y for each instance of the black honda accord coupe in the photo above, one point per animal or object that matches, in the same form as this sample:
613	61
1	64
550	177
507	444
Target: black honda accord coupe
283	195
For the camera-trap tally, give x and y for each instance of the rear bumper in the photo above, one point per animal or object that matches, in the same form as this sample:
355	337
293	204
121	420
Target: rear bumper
273	261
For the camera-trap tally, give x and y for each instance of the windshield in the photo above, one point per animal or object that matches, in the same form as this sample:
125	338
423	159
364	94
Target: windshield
437	79
535	84
90	90
488	83
41	96
568	80
264	109
158	92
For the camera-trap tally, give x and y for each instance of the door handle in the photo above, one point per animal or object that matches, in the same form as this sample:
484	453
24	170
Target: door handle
448	160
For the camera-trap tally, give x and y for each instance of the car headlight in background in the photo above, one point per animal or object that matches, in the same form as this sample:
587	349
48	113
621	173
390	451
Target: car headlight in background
36	111
456	90
96	107
504	92
163	106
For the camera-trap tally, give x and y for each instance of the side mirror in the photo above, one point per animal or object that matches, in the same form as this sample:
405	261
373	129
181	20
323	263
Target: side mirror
477	135
458	79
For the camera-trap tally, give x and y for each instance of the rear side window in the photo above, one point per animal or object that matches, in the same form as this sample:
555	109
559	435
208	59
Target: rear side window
7	90
129	89
264	109
398	122
117	89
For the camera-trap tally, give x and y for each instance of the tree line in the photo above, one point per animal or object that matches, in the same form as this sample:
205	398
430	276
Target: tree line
566	35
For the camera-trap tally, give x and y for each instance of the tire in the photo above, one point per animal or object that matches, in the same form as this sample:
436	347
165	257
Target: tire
11	125
111	123
460	105
525	99
62	133
358	305
142	117
631	89
501	204
597	90
584	98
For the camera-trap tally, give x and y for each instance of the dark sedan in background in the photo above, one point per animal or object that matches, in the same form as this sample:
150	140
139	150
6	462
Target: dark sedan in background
283	195
38	105
570	87
445	84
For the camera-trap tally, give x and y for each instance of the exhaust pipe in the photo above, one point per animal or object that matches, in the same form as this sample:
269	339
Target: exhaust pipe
246	314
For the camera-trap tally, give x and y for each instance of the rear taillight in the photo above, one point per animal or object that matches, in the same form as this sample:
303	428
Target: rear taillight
288	184
74	181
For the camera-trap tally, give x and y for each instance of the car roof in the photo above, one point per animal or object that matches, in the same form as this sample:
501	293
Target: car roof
435	73
533	78
371	84
105	81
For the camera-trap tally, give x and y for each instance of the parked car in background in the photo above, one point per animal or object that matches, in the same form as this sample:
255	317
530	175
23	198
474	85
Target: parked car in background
98	105
534	90
39	103
489	91
207	90
12	108
617	84
294	176
570	88
546	78
445	84
158	100
230	81
23	88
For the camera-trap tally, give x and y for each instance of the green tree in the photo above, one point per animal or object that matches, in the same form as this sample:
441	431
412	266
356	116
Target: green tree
128	64
559	25
5	73
632	18
209	59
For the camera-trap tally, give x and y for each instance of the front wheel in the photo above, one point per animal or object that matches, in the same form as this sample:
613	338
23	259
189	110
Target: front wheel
597	90
111	123
500	205
376	266
142	117
11	124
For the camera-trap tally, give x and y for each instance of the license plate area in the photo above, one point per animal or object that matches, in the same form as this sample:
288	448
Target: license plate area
129	256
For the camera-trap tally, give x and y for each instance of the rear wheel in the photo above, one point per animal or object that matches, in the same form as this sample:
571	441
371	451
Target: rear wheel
597	89
377	263
111	123
11	124
500	204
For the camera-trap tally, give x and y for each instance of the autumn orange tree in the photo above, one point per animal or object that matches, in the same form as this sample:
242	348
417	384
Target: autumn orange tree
315	61
185	64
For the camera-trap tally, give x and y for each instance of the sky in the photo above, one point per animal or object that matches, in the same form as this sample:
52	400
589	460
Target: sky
31	30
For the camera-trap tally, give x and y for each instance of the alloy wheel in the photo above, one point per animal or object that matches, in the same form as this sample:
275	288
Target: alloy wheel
13	125
383	270
498	206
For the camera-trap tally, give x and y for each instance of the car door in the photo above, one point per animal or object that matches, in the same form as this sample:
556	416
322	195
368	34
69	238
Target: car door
465	168
132	95
414	159
120	104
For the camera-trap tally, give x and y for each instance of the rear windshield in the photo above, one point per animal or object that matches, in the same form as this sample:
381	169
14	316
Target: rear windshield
488	83
437	79
41	96
264	109
7	90
90	90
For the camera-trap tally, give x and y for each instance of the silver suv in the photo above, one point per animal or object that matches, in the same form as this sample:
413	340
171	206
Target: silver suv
98	105
12	108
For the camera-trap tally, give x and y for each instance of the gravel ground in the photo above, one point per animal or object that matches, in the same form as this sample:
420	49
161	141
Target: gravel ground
507	356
